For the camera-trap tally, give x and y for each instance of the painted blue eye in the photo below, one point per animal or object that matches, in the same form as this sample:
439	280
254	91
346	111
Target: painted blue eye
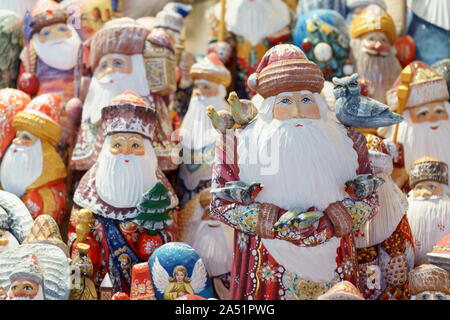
46	33
431	187
62	29
117	63
26	138
286	101
306	100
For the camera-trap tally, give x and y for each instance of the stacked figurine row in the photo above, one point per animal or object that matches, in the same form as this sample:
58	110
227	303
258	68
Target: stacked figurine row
301	156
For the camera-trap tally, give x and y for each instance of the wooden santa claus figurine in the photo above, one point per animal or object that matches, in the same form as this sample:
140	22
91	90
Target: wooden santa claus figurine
428	282
373	35
429	205
121	202
290	243
421	95
31	168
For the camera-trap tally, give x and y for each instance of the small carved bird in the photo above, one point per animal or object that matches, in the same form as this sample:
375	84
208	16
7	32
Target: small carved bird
221	121
242	110
238	192
358	111
362	186
298	219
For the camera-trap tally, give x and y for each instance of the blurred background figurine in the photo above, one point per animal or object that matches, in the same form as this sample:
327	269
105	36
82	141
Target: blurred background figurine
198	137
12	42
373	35
428	282
324	37
421	95
429	205
31	167
243	31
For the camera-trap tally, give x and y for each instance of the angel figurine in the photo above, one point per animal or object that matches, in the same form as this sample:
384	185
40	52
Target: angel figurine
189	274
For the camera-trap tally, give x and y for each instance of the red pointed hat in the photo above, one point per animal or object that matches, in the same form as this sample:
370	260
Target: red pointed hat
11	102
41	117
211	69
285	68
128	112
47	12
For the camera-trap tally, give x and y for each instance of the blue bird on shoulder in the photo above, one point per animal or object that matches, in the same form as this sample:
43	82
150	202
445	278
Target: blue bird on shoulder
354	110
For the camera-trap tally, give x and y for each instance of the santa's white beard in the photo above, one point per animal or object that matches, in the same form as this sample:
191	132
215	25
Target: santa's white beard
420	140
429	221
213	241
122	184
197	130
21	168
102	92
392	207
255	20
379	70
62	56
304	167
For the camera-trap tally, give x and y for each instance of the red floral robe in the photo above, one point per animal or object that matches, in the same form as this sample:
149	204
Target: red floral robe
48	199
255	274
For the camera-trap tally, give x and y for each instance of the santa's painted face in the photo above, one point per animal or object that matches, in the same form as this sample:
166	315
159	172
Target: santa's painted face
205	88
427	189
23	288
429	112
24	138
376	44
430	295
127	143
290	105
57	45
58	31
114	64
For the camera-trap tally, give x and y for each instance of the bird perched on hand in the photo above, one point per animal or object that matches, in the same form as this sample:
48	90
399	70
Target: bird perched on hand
298	219
362	186
243	111
358	111
238	192
221	121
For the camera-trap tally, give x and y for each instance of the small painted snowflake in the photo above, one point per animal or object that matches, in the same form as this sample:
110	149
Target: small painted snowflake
441	227
150	246
267	273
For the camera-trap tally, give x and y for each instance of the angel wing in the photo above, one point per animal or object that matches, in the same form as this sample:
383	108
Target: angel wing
160	276
199	276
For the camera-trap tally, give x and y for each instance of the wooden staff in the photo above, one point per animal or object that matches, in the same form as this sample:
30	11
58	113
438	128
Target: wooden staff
402	95
221	35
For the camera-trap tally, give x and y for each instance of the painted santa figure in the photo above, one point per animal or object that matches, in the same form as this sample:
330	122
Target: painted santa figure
198	136
31	167
385	244
251	28
49	59
426	127
113	190
27	281
373	35
290	243
429	205
119	66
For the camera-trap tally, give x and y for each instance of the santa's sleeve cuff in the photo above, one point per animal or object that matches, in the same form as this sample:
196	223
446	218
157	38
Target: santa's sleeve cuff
340	218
